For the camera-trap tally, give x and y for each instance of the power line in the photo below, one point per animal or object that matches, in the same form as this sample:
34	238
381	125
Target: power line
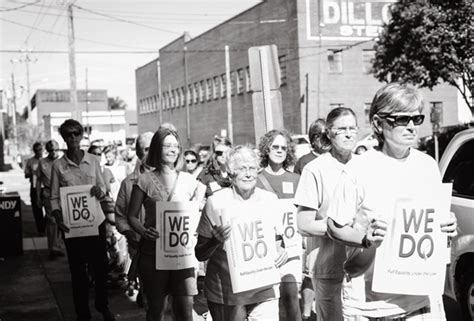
37	22
20	7
77	38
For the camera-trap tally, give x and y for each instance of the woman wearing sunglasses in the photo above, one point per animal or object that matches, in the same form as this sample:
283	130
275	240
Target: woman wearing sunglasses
214	175
191	163
317	184
277	153
165	183
358	210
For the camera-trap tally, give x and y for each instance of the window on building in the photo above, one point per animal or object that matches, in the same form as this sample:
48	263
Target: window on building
202	88
179	97
240	81
173	98
367	60
247	79
436	112
148	104
223	86
367	113
170	99
190	94
209	88
233	83
183	96
215	83
335	61
282	62
196	93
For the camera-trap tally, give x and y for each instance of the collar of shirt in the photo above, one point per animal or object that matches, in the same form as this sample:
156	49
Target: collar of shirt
254	196
88	158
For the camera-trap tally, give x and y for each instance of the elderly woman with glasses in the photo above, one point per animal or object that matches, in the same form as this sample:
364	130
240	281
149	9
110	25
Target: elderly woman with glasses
357	214
259	304
167	184
313	196
277	154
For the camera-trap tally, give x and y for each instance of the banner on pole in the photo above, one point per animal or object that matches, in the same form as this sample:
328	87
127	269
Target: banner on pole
176	223
251	248
82	213
412	258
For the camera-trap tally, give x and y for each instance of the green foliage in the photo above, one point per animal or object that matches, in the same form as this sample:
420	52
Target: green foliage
117	103
428	42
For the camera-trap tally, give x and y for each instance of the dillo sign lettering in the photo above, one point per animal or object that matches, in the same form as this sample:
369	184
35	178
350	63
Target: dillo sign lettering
179	231
424	245
253	243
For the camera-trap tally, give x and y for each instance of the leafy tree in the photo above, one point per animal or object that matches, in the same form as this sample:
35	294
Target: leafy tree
426	42
117	103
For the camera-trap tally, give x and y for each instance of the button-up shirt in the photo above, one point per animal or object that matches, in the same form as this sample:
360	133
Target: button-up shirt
30	170
65	172
44	171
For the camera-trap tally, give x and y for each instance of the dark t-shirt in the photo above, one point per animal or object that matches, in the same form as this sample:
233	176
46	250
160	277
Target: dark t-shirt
284	186
213	182
302	161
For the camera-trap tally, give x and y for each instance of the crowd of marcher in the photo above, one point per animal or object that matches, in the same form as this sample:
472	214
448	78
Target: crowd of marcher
339	200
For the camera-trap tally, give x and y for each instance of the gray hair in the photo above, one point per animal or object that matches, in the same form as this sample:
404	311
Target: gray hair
238	154
394	98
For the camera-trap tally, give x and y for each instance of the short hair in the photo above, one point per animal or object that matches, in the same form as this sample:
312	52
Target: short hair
316	133
92	148
50	144
70	124
265	145
190	152
36	145
155	152
394	98
141	140
331	118
110	149
238	154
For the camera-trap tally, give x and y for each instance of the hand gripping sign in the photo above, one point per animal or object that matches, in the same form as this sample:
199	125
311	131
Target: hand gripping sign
251	248
176	223
412	257
82	213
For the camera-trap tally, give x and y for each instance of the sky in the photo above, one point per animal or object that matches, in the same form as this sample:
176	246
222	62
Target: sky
113	38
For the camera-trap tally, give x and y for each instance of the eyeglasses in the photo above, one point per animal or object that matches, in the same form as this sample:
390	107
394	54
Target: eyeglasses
277	147
169	146
342	130
191	161
251	170
219	153
72	133
96	154
404	120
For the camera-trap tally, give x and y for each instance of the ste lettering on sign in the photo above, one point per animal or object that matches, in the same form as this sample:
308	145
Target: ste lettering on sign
412	258
82	213
176	223
251	248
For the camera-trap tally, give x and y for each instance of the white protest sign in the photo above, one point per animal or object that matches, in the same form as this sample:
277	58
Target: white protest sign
291	238
82	213
176	223
412	257
251	248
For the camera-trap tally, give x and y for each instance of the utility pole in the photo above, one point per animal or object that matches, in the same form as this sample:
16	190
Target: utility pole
160	94
228	95
306	101
188	121
89	130
13	102
72	62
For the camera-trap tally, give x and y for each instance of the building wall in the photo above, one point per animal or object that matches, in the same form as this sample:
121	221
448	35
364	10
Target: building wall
146	84
271	22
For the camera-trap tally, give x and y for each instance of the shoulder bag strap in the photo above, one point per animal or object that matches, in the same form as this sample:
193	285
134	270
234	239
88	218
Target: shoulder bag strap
266	183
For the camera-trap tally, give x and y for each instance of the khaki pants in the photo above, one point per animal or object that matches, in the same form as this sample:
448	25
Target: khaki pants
53	234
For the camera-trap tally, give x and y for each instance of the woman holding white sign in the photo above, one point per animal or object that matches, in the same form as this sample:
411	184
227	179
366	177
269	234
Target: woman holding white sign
277	153
165	184
365	203
87	253
313	196
224	301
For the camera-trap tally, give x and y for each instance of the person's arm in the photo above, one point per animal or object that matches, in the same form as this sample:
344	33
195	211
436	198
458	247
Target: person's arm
121	207
28	171
205	246
136	200
307	223
38	187
200	194
55	199
350	236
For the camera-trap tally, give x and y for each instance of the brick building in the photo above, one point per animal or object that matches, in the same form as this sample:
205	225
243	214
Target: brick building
324	47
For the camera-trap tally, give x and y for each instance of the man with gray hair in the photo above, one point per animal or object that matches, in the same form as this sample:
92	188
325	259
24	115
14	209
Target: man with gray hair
123	197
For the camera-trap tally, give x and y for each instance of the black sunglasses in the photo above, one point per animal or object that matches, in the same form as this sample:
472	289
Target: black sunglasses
191	161
219	153
72	133
404	120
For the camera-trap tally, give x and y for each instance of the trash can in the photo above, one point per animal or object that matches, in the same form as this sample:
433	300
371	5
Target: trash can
11	236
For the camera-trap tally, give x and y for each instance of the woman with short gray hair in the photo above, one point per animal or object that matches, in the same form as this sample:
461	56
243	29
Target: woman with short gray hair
259	304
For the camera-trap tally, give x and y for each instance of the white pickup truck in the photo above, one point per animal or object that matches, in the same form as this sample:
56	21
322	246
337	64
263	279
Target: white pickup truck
457	167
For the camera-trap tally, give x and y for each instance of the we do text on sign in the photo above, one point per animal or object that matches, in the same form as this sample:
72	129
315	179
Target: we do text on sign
82	213
176	223
251	248
412	257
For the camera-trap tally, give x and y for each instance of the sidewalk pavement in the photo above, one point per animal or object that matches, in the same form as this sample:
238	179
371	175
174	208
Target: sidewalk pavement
35	288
